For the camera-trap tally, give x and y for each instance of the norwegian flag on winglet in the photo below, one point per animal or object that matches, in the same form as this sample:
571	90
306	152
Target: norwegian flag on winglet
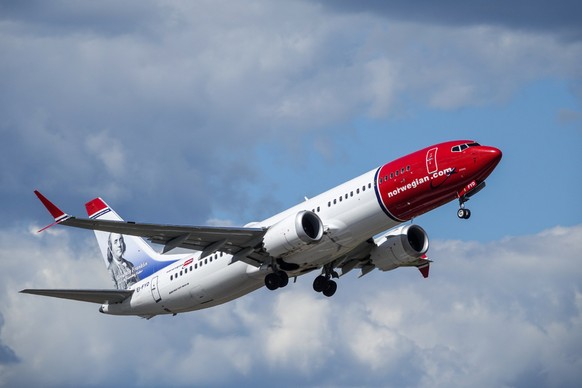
57	213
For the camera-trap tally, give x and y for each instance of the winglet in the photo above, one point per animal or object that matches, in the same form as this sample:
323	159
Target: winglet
57	213
424	267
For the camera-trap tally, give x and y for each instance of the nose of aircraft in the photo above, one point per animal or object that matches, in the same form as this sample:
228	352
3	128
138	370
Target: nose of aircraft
491	155
488	159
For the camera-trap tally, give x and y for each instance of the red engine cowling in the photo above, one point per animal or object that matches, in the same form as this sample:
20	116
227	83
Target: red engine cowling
399	247
293	234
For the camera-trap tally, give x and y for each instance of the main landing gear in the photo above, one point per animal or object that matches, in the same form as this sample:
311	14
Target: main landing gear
277	279
323	282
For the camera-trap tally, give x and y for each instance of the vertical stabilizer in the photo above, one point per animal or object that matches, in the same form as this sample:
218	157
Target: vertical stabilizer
128	258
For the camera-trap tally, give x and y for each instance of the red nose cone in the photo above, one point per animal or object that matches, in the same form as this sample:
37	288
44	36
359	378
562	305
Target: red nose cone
489	158
491	155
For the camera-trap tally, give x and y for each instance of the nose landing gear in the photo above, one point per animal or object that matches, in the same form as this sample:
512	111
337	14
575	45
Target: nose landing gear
463	213
464	195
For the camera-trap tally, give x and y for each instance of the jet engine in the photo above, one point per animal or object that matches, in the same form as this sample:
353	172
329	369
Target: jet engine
293	233
399	247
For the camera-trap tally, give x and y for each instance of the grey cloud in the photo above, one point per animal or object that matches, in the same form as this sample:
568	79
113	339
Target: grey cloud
559	17
184	97
7	355
85	17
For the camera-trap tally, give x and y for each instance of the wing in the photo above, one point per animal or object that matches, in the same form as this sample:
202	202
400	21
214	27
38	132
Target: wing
242	243
92	296
359	257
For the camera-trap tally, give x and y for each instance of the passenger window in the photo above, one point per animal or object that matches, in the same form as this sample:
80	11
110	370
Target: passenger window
318	210
186	270
407	168
171	277
391	175
358	190
396	173
369	185
380	180
351	193
190	268
329	204
181	273
402	170
340	199
346	197
205	261
363	188
334	201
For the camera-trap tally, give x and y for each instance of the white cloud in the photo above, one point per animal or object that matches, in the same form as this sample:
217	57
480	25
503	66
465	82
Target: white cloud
501	313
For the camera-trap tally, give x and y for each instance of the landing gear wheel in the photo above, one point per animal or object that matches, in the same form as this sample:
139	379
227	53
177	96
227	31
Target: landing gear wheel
330	288
283	278
464	213
272	281
320	283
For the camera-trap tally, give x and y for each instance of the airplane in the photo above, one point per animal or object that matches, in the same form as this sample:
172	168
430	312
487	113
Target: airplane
360	224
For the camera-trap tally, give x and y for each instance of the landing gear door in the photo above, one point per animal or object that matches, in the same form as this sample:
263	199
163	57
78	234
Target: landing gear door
431	162
155	290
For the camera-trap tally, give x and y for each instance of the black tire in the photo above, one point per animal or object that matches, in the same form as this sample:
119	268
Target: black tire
467	214
319	283
272	281
461	213
283	278
330	288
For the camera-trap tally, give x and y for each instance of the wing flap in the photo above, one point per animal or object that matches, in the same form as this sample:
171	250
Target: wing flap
92	296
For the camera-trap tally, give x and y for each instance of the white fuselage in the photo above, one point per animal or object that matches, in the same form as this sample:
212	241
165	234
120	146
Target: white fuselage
350	213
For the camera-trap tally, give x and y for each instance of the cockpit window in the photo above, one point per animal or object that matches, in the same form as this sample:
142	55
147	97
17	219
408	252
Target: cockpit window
462	147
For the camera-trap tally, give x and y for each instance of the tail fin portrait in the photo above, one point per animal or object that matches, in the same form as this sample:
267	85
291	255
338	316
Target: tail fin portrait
128	258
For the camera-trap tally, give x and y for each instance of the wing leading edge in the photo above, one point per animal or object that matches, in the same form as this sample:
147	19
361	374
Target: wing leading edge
92	296
208	239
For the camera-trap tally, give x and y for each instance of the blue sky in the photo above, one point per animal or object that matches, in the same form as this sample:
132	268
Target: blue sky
227	112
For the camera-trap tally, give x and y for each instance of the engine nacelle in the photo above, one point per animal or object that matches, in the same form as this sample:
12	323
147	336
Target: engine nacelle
293	234
399	247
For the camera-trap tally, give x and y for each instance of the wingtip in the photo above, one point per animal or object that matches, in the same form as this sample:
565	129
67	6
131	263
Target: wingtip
51	207
57	213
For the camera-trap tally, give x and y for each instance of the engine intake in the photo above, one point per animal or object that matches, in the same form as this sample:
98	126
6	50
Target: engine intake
293	234
401	246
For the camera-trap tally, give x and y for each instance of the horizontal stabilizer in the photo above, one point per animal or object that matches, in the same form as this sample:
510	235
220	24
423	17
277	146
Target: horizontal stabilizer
92	296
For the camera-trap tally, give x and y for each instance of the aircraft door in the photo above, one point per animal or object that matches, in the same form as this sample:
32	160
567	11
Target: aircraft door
431	162
155	290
